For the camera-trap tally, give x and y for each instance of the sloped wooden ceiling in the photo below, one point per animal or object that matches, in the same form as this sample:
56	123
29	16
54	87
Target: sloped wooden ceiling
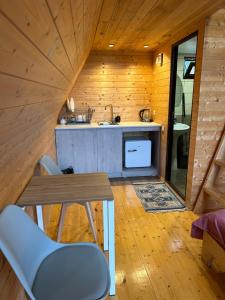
43	46
131	24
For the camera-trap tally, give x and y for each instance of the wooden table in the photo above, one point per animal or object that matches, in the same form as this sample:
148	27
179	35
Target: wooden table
72	188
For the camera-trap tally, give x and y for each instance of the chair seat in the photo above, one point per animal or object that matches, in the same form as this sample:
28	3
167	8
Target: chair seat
73	272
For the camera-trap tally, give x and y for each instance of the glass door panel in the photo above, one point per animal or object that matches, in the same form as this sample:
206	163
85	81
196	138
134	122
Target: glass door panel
184	59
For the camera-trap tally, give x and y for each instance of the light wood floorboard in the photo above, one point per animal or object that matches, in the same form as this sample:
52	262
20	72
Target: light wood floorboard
155	256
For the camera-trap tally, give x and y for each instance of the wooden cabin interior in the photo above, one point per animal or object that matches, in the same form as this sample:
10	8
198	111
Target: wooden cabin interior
148	74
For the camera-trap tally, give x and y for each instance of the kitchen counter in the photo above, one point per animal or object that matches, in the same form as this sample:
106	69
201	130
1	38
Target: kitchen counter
92	148
146	125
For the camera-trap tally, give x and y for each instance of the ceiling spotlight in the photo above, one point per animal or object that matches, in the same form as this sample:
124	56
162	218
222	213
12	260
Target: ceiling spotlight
146	46
111	45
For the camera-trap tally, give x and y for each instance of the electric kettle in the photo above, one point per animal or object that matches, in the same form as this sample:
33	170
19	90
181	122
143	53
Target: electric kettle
145	115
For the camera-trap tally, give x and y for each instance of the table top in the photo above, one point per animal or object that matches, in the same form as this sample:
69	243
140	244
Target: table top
71	188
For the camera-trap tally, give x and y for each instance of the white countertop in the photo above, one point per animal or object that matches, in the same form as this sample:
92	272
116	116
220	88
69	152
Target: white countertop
121	125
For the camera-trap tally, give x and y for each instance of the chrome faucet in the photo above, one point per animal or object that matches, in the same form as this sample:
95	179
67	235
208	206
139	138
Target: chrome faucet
111	109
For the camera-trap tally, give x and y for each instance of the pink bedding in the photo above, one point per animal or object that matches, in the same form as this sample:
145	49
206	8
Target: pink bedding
213	223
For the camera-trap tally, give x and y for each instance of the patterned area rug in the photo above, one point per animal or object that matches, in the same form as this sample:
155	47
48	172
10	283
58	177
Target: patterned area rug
158	197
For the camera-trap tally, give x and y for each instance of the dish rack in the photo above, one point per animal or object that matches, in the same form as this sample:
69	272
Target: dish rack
80	116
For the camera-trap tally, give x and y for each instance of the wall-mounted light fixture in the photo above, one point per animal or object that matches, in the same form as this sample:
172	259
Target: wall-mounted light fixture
146	46
159	59
111	45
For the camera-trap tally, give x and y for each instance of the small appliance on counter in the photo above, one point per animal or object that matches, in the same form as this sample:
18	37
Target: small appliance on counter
137	152
145	115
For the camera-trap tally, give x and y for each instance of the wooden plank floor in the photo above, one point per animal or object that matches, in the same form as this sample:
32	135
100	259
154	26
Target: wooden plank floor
155	256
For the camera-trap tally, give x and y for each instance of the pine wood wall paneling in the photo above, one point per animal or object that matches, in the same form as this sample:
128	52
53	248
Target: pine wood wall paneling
62	16
17	91
38	26
35	78
84	29
78	24
160	98
115	79
26	60
131	24
211	113
33	64
161	84
90	13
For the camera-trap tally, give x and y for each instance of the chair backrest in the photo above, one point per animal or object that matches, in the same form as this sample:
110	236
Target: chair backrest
23	244
50	166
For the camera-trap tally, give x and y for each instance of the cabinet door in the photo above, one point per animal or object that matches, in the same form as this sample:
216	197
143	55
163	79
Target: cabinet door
85	150
110	150
78	148
64	148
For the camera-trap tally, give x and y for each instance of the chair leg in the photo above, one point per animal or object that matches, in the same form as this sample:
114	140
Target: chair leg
92	211
89	214
40	217
61	221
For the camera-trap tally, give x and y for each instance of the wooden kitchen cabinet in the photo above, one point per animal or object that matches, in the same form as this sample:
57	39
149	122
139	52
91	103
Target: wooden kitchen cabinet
90	150
110	151
77	148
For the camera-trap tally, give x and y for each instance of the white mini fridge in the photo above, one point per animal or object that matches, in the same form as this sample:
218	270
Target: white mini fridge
137	152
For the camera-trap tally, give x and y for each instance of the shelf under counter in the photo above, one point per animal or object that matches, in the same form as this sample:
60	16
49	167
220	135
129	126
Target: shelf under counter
136	172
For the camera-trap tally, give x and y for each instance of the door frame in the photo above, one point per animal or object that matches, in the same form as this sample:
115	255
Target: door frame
172	92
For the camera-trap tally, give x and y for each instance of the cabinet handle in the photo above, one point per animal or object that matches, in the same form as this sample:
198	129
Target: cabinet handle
134	150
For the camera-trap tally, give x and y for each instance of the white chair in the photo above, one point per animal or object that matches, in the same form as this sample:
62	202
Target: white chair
52	169
49	270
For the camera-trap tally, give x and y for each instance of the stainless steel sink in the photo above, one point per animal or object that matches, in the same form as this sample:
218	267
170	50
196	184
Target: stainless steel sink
107	123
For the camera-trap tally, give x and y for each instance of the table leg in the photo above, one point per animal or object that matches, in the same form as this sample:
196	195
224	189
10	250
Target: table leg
105	226
111	236
40	217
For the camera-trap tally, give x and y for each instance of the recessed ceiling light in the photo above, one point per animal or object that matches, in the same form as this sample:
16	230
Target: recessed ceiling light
111	45
146	46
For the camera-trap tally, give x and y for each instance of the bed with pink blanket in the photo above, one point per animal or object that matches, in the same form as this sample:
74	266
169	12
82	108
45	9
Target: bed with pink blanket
213	223
211	228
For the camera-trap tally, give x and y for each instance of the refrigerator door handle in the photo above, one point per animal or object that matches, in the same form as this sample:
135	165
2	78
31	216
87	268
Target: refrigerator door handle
133	150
